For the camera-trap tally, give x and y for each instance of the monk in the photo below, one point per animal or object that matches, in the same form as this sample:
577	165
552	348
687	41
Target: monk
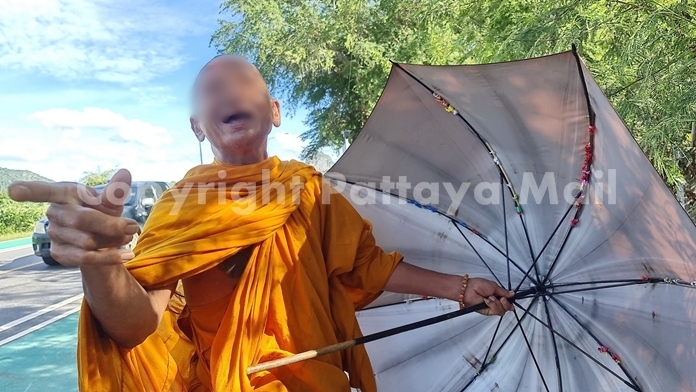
227	273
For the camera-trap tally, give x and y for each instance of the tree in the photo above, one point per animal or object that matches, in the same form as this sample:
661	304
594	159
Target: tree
642	53
18	217
332	56
97	177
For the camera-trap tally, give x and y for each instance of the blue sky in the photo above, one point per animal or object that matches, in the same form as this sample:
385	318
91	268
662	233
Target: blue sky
102	83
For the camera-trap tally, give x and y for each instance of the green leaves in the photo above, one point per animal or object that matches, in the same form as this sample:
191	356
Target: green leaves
18	217
21	217
332	56
97	177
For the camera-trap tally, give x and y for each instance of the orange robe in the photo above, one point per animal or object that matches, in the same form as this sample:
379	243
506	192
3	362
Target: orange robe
312	265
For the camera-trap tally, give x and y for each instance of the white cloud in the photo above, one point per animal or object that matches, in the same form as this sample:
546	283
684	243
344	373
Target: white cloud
66	160
124	41
115	125
62	144
72	133
66	143
285	145
137	45
22	149
290	142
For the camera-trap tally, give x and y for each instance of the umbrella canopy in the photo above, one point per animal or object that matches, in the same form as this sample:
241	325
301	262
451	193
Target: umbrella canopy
523	173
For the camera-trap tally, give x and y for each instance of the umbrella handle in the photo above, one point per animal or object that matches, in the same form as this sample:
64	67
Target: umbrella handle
276	363
303	356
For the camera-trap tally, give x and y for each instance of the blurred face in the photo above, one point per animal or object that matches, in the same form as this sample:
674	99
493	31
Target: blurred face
234	110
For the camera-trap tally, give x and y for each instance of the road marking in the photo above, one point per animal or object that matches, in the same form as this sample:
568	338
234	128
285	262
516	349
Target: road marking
38	313
39	326
8	250
2	272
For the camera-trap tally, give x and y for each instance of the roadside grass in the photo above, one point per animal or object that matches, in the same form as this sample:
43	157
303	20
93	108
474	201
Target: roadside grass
14	236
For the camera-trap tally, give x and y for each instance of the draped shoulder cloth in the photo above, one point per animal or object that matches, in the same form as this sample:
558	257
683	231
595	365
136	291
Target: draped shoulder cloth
314	262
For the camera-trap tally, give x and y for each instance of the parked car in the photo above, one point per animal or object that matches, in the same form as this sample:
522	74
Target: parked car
141	199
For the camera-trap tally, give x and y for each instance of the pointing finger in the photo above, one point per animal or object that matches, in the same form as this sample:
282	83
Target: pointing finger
44	192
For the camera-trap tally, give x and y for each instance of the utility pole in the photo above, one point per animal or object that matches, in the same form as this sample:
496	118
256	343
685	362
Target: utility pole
346	142
680	186
200	151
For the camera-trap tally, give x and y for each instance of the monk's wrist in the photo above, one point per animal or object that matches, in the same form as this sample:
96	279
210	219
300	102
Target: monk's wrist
452	287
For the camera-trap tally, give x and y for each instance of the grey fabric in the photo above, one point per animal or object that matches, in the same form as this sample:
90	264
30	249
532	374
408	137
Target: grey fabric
534	116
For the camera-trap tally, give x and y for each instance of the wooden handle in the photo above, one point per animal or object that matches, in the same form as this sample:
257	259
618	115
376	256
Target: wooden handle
276	363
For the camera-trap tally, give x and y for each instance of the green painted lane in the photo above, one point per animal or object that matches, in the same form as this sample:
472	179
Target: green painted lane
15	243
44	360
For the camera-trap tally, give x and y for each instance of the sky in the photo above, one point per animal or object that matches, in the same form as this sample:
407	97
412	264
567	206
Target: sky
101	84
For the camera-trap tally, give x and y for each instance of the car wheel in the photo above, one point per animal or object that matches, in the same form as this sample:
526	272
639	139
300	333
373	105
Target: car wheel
50	261
131	245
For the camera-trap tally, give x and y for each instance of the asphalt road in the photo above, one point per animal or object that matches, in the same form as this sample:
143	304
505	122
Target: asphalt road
33	294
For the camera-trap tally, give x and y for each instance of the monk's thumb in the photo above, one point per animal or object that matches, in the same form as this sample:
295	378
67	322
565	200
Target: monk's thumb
117	191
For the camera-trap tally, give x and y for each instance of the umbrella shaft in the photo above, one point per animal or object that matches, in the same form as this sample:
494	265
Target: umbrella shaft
376	336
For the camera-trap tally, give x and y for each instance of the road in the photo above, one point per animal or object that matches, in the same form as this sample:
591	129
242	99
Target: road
38	321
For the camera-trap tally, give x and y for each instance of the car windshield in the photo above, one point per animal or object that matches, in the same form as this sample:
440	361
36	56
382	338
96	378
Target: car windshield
131	198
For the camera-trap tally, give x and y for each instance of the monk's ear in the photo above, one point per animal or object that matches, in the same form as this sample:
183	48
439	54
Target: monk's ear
275	112
196	128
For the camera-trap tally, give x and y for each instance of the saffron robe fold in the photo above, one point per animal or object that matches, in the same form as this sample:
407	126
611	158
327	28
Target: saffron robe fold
314	262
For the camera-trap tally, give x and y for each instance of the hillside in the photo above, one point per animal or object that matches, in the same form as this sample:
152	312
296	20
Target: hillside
7	176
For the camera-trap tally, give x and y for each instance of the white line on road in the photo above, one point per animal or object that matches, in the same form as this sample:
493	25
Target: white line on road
19	268
7	250
39	326
38	313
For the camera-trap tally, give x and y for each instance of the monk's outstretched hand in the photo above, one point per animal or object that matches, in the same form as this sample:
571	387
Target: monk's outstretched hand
86	227
482	290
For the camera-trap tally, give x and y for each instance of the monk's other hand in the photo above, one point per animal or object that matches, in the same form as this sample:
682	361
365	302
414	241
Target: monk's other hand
496	298
85	226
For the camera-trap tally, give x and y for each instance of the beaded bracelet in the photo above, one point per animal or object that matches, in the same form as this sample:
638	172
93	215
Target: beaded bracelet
465	282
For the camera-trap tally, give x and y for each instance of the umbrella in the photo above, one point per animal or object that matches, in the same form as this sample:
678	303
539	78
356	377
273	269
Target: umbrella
522	172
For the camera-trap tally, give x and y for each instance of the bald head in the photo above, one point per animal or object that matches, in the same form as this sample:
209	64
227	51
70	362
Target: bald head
233	108
232	63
